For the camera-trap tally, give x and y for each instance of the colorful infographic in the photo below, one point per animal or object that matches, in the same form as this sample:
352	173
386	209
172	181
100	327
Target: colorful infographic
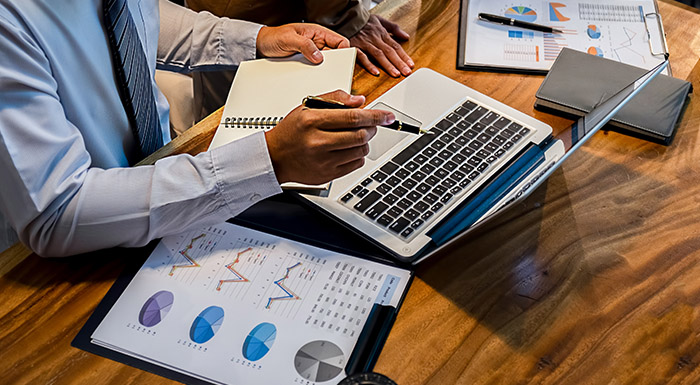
156	308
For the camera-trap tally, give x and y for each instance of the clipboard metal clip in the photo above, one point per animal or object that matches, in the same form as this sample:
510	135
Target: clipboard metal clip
664	45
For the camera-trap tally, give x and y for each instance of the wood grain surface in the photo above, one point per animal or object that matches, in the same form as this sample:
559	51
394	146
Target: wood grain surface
594	279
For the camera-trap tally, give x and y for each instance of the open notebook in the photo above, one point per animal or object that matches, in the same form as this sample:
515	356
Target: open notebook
265	90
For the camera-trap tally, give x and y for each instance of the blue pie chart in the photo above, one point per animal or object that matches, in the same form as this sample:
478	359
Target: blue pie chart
593	31
259	341
156	308
206	324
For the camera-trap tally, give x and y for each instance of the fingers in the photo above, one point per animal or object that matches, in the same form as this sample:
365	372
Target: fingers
308	39
334	120
393	29
345	98
307	48
377	43
366	63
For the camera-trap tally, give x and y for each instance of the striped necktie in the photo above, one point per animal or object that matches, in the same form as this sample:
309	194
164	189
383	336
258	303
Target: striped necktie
132	74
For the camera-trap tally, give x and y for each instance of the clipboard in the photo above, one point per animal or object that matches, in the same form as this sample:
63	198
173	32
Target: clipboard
512	49
369	342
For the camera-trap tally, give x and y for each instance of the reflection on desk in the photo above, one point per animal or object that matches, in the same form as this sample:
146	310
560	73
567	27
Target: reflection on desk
593	280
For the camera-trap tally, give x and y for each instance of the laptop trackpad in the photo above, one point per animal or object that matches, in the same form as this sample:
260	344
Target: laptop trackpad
387	138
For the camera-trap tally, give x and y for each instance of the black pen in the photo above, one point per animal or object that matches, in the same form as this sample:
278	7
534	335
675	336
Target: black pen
321	103
516	23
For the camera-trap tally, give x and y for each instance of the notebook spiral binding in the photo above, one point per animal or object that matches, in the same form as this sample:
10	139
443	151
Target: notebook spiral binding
259	122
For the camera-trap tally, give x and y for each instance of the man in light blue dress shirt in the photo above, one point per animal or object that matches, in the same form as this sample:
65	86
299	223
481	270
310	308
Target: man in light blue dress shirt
65	142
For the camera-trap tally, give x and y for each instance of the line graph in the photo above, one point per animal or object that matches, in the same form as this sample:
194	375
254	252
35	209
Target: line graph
231	268
289	294
185	253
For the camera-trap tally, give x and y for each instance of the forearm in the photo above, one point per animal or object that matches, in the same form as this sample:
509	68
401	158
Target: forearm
131	206
191	41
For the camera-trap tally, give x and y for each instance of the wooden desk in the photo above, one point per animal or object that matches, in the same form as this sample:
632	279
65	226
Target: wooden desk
596	279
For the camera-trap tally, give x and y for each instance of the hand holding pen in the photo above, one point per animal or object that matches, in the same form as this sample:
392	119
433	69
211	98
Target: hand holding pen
323	103
314	146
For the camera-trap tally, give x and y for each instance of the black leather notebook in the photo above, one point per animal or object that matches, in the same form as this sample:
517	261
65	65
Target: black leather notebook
579	81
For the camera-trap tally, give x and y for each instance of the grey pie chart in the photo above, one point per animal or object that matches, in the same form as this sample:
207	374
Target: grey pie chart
319	361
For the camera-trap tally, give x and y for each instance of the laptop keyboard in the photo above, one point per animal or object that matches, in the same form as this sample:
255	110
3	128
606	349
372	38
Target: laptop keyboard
407	192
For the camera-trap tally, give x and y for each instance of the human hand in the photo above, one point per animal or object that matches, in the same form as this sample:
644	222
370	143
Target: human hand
314	146
306	38
376	39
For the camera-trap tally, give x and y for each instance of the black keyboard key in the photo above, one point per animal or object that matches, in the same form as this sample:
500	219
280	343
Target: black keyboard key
413	149
432	180
420	159
465	168
390	199
469	105
357	189
409	184
446	198
476	114
448	183
489	118
455	190
459	158
474	175
385	220
482	167
362	193
418	176
383	188
471	133
438	145
427	168
423	188
436	207
455	132
445	154
464	183
479	127
413	196
377	209
389	168
498	139
367	201
417	223
420	207
450	166
430	198
379	176
395	212
475	144
508	145
399	225
463	125
461	111
426	215
411	166
446	138
439	190
437	161
454	147
400	191
407	232
507	133
491	130
524	131
443	125
515	127
441	173
404	203
346	198
490	159
499	153
429	152
452	117
483	153
501	122
515	138
474	161
393	181
462	141
483	137
366	182
458	175
402	173
411	214
491	147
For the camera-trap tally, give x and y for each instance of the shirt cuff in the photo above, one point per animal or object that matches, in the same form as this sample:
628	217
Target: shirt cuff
244	172
236	41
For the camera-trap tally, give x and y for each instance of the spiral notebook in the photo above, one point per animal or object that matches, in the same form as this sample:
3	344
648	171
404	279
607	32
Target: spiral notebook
265	90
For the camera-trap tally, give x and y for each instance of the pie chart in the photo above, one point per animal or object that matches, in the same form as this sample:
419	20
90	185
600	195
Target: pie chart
206	324
259	341
156	308
319	361
521	13
595	51
593	31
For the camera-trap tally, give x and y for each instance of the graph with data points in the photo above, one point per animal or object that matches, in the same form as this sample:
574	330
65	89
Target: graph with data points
233	305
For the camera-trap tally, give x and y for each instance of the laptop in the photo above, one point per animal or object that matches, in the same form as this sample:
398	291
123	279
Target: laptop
417	194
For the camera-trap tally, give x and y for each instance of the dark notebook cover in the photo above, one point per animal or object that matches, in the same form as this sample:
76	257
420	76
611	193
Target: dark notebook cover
578	81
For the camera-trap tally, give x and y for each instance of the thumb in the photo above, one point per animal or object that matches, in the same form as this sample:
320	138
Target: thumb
307	48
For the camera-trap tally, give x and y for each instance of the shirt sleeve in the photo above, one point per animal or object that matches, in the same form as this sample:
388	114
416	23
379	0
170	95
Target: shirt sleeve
347	17
191	41
61	205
